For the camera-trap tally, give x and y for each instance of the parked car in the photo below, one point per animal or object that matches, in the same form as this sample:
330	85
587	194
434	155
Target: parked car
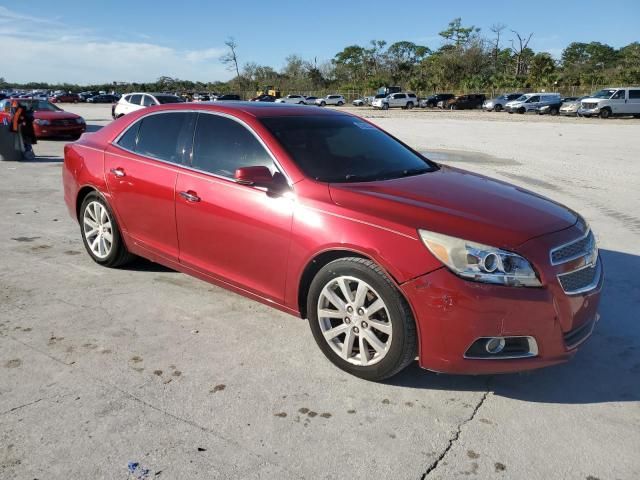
497	104
571	107
106	98
263	98
135	101
294	99
396	100
359	102
331	100
463	102
432	100
63	98
227	97
50	121
201	97
612	102
325	216
531	102
310	100
554	108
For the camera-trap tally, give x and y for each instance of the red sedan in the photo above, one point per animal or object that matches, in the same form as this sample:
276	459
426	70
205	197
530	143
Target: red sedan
50	121
65	98
325	216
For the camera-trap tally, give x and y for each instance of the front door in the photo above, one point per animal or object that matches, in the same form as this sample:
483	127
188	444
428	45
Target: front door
618	102
141	170
237	233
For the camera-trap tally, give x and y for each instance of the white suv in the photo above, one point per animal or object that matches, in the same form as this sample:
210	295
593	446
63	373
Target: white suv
402	100
612	101
331	100
135	101
295	99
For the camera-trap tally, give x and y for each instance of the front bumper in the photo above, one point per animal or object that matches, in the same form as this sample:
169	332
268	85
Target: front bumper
453	313
588	111
48	131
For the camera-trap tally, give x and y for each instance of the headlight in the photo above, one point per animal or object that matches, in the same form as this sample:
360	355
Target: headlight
481	263
80	120
40	121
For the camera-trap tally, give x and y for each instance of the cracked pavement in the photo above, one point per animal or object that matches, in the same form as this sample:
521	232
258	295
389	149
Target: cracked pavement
103	367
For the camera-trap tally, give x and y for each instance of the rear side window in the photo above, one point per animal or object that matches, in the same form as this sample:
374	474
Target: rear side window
634	94
130	139
135	99
148	101
166	136
222	145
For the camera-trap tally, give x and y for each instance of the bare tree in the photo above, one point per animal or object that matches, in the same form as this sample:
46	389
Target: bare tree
518	51
497	28
230	59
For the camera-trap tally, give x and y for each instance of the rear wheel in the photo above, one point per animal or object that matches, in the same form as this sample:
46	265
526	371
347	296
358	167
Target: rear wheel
605	113
497	108
340	103
554	111
410	105
360	320
100	232
323	103
453	107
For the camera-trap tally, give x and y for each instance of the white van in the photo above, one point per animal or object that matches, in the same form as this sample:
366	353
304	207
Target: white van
612	101
532	102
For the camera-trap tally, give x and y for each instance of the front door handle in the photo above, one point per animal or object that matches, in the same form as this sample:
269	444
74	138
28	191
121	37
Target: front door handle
190	196
118	172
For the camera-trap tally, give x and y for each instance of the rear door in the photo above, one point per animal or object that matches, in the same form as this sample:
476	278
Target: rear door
234	232
633	102
141	169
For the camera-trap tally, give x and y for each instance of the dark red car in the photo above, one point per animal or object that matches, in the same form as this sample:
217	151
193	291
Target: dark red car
65	98
325	216
50	121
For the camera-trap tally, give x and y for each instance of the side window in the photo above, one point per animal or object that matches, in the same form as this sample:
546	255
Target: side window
534	99
130	139
147	101
166	136
619	95
222	145
634	94
135	99
127	98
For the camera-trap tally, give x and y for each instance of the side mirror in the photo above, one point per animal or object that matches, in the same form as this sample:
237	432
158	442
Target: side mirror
258	176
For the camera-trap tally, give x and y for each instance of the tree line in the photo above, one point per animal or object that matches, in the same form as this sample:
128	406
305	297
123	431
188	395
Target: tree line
467	61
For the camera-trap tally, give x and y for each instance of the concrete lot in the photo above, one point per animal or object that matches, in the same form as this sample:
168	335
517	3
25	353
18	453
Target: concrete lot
101	367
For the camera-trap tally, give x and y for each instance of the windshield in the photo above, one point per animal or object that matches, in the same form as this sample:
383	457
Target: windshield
162	99
344	149
606	93
522	98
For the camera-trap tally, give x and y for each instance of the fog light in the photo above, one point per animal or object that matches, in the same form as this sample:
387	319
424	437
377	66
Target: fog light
495	345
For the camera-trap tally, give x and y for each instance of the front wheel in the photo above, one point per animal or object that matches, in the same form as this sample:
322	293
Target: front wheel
497	108
385	106
100	232
323	103
605	113
360	320
410	105
522	110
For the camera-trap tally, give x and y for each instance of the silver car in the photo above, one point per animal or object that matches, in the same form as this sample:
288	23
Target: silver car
532	102
497	104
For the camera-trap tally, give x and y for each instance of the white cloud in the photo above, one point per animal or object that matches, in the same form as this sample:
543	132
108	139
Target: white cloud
36	49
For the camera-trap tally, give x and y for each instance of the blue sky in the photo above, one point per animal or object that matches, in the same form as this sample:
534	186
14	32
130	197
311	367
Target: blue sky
91	41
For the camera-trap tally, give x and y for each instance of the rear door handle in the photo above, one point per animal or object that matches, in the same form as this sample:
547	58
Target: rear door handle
118	172
190	196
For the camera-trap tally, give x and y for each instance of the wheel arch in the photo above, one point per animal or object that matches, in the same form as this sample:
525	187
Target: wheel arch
82	193
321	259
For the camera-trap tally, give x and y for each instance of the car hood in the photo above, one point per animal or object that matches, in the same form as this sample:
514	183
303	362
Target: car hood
48	115
458	203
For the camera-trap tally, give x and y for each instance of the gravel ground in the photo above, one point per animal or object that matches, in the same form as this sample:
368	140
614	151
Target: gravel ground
103	367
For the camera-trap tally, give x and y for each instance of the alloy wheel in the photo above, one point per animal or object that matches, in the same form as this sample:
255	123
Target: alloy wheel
97	229
354	321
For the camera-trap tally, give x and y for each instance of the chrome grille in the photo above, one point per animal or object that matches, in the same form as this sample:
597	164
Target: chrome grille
589	106
581	280
576	249
62	122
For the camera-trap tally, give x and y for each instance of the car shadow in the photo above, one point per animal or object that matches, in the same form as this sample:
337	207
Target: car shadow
605	369
143	265
44	159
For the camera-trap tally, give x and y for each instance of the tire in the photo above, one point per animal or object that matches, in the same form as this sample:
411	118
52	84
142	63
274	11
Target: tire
453	107
385	106
323	103
497	108
636	116
340	103
605	113
300	103
522	110
395	329
410	105
115	255
554	111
